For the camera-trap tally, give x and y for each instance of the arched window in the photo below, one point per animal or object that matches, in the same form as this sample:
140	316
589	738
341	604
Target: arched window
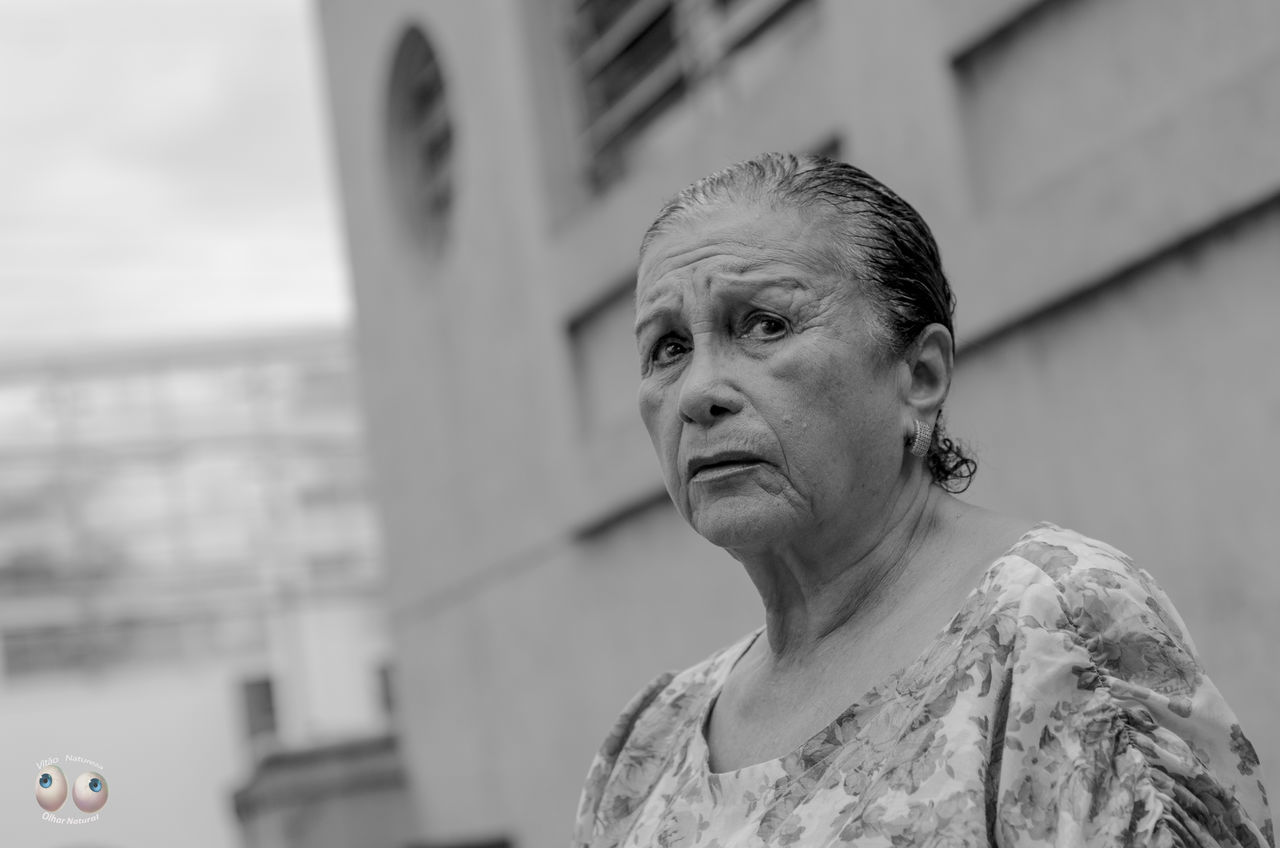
420	137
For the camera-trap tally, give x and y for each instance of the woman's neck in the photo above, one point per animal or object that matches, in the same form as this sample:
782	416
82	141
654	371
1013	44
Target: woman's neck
812	592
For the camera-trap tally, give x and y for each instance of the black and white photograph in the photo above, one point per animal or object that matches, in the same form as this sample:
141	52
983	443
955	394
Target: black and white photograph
639	423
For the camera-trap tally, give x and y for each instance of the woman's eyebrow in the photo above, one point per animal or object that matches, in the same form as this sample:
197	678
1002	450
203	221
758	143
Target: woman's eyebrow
758	284
721	287
653	315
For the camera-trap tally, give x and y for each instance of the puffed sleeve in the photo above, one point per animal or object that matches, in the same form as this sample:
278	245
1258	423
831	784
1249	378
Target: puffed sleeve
1114	736
594	812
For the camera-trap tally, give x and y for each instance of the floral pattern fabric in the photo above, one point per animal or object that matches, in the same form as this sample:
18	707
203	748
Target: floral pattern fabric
1063	705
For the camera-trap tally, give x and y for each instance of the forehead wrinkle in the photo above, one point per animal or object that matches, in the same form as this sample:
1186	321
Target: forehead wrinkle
755	283
726	255
713	282
669	300
735	246
665	306
712	272
655	292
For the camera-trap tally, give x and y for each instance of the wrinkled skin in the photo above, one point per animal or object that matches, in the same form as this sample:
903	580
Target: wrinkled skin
781	420
746	346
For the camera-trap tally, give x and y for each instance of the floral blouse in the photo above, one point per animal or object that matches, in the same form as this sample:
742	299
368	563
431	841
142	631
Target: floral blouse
1064	705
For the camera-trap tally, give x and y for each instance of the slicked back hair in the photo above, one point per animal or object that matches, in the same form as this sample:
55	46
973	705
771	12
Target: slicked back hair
875	240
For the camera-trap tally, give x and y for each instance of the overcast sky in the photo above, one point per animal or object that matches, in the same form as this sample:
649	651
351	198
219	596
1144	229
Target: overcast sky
165	172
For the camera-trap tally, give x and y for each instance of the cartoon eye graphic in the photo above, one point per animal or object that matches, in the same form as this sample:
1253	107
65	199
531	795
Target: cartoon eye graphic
90	792
51	788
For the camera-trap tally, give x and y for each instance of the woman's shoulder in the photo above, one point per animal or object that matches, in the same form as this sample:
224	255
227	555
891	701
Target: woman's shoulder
1106	678
1099	587
670	702
1066	556
645	738
676	698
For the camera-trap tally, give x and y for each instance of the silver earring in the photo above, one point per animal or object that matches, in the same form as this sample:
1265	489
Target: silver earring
924	438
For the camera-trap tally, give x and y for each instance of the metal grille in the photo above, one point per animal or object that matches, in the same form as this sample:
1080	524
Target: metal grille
631	69
420	134
636	58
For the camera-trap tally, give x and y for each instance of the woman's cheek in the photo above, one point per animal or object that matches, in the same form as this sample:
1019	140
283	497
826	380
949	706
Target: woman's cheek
649	399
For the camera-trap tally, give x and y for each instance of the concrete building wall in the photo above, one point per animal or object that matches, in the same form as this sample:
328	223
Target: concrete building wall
1103	183
1141	412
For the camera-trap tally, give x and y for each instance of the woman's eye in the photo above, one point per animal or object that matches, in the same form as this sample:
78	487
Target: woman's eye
666	351
765	326
90	792
51	788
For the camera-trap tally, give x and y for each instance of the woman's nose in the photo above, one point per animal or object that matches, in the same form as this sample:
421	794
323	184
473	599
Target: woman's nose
706	392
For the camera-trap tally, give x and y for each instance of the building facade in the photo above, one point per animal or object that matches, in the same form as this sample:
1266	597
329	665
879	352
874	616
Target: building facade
190	577
1103	182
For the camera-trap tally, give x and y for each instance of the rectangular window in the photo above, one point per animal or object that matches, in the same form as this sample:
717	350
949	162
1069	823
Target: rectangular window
386	690
636	58
627	58
606	364
259	707
744	21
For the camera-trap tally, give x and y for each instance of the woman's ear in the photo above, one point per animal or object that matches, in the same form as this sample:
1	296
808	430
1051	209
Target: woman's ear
930	361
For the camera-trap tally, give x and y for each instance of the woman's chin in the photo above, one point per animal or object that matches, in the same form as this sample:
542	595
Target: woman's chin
730	525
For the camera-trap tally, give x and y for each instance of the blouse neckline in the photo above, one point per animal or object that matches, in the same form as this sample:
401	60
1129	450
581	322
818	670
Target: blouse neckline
781	770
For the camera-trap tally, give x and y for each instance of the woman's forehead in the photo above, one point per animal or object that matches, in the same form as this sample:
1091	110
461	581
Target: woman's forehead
743	240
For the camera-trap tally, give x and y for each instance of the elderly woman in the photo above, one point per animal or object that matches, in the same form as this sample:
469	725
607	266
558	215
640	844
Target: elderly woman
928	672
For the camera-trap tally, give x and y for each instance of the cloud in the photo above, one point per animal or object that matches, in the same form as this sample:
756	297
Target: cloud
171	153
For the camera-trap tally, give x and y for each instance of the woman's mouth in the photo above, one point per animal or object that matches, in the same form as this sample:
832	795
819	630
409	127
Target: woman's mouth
720	467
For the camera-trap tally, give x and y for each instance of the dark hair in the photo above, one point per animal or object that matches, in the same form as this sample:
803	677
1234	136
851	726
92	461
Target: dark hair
878	240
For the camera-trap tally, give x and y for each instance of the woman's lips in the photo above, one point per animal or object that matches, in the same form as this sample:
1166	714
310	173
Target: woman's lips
722	470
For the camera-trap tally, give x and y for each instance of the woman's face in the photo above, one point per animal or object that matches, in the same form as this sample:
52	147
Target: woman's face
772	412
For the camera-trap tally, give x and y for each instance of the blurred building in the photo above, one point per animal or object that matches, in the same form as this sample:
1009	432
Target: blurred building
1103	180
188	567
